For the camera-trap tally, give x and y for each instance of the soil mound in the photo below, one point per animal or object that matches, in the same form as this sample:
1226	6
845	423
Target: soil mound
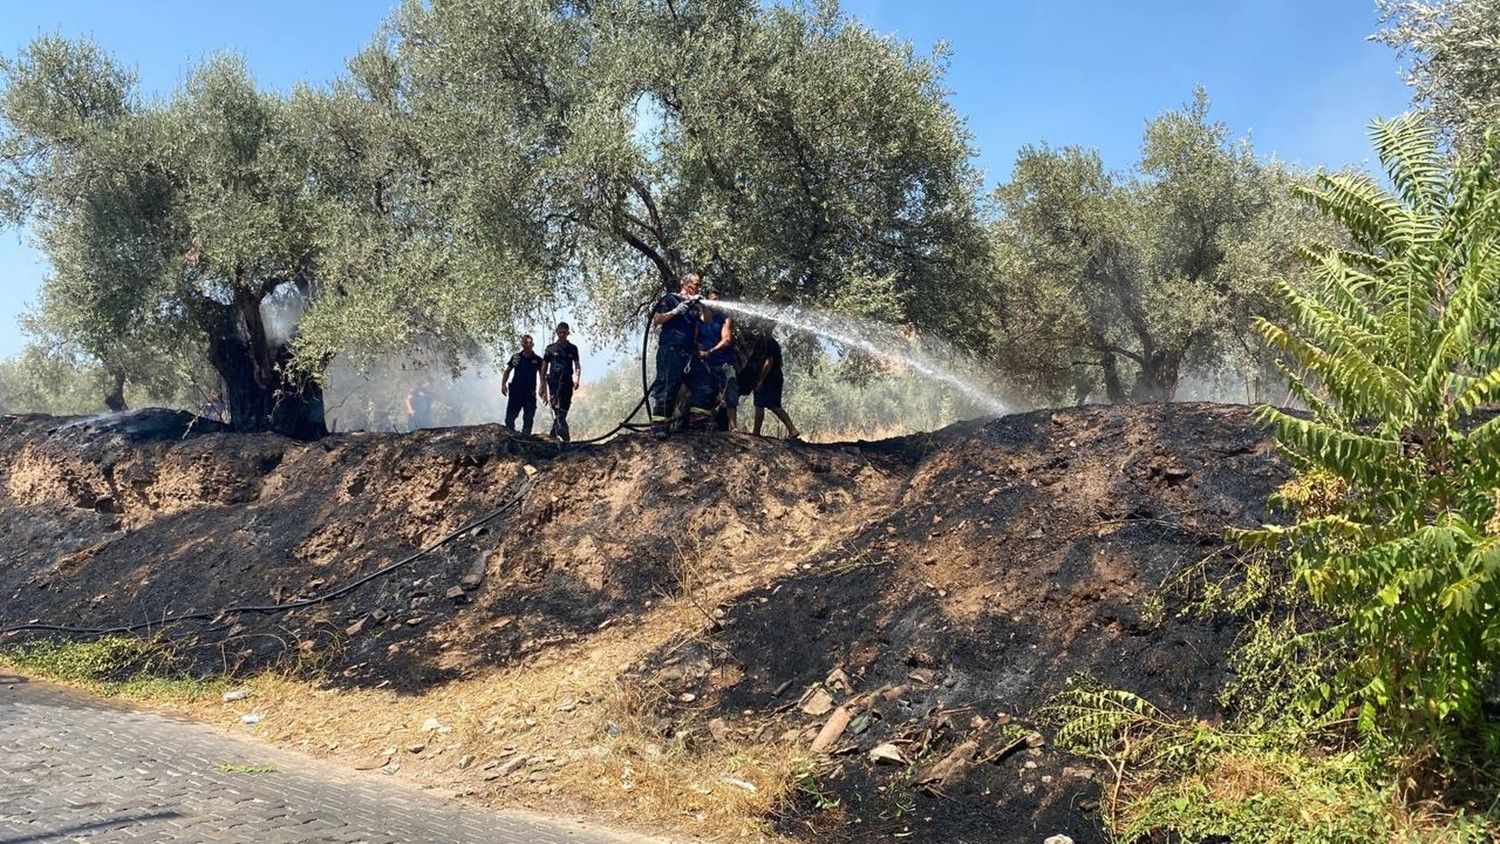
927	592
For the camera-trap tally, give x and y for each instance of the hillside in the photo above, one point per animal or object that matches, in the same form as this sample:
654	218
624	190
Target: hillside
736	592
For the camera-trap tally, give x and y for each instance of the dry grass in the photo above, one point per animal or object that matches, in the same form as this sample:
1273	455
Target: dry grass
591	741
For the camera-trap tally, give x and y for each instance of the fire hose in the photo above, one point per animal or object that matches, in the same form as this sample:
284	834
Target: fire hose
212	615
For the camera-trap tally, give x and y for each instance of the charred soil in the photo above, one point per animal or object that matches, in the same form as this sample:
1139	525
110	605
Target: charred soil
903	606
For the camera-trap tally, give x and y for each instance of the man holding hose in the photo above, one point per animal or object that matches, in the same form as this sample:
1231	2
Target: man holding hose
677	361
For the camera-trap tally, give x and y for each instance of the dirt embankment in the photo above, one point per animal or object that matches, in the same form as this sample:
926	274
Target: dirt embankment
933	590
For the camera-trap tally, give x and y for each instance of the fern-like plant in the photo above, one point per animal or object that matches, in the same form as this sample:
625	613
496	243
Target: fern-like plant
1393	349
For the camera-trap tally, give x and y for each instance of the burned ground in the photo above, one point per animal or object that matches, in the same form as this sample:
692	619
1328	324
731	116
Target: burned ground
934	589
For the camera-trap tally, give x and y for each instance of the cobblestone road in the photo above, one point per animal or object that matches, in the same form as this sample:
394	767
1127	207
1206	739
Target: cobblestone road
73	768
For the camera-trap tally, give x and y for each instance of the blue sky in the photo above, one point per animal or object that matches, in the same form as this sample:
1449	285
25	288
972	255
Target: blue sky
1299	78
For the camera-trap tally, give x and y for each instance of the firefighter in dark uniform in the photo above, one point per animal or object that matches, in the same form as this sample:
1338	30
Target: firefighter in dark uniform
677	361
522	388
562	372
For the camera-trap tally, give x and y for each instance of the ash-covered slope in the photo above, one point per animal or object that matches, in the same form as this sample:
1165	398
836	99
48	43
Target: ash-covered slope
941	586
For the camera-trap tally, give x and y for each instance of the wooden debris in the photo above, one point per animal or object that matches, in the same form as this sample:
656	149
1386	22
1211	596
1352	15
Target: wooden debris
832	730
894	693
951	769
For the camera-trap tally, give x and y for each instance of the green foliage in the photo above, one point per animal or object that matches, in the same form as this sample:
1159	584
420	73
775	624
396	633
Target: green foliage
1393	351
1287	779
1118	284
108	658
480	163
788	152
128	666
1449	47
240	768
62	381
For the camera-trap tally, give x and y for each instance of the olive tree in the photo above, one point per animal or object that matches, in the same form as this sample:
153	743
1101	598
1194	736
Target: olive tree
209	221
1124	281
1450	48
789	153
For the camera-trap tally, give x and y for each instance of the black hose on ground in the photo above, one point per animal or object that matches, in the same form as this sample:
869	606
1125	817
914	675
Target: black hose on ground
626	424
209	615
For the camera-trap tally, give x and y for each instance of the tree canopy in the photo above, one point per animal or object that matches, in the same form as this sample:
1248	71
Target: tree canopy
480	162
1123	281
1450	49
788	153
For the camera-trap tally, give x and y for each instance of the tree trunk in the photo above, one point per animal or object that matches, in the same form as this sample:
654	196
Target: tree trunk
1113	388
114	400
262	391
1158	377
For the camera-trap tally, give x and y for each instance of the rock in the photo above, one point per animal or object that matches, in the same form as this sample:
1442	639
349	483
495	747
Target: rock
431	725
415	748
414	621
1035	740
816	701
513	765
237	694
477	571
465	761
390	768
1078	773
379	616
740	784
719	729
250	719
887	754
356	628
1058	839
921	675
373	762
839	681
687	697
454	593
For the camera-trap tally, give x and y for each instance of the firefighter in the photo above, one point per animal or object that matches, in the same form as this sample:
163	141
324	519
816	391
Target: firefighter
677	361
562	373
716	350
522	390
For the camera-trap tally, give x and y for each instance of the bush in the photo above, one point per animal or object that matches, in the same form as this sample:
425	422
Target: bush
1393	352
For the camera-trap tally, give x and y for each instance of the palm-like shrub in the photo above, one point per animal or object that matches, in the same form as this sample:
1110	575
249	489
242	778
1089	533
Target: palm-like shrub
1394	352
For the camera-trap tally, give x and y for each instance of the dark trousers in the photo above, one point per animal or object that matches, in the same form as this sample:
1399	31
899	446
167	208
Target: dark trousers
678	367
562	399
522	403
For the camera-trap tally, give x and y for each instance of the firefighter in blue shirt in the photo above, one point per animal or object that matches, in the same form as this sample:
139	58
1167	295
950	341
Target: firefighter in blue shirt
716	349
562	373
677	361
523	389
